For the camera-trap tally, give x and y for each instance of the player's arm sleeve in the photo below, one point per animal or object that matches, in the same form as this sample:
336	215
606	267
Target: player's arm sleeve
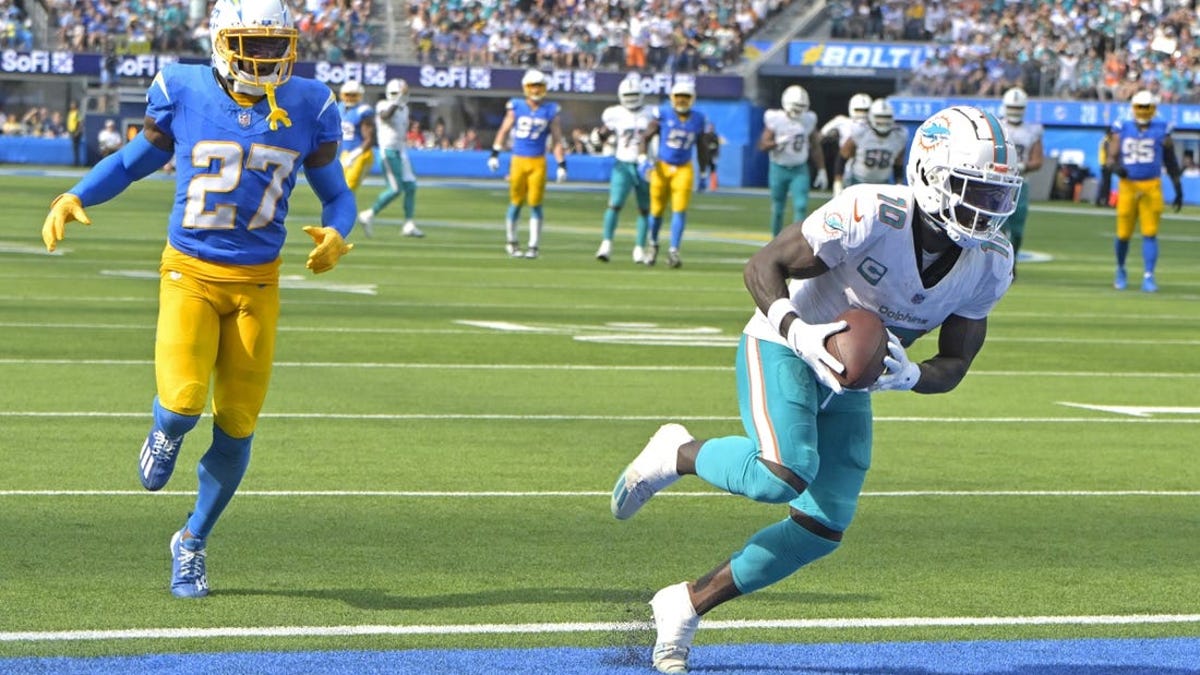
328	181
1171	162
135	160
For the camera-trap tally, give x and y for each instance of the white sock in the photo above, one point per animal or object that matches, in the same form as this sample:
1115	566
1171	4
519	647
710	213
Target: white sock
535	232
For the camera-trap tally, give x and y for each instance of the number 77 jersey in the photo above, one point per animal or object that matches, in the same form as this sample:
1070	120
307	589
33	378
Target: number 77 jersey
234	174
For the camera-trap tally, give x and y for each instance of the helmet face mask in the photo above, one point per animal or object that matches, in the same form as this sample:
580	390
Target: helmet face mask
534	84
794	101
683	96
881	117
253	43
396	91
859	105
1014	102
629	93
1145	105
351	92
960	172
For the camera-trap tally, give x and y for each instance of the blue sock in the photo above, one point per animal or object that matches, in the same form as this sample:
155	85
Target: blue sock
410	199
535	212
1150	253
220	471
731	463
655	225
514	212
1122	249
774	553
678	222
173	425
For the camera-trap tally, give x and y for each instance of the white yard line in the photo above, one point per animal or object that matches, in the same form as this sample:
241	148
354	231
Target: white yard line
492	494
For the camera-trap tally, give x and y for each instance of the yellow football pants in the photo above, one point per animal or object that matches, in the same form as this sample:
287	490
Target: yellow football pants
1141	202
669	180
356	167
527	180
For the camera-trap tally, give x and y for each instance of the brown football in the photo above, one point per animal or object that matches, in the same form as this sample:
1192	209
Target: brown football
860	347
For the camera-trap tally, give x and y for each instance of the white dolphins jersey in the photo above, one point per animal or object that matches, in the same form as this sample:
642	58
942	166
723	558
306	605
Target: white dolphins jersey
874	155
392	131
627	126
865	237
843	125
1023	135
791	136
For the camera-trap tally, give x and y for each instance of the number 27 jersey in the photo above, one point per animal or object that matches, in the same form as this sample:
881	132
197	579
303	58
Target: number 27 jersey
234	174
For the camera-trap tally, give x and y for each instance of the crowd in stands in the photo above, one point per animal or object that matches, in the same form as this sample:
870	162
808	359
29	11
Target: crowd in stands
1058	48
643	35
333	30
37	121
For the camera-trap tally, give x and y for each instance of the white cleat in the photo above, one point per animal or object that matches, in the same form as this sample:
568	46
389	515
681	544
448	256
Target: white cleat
367	219
675	620
605	251
411	230
514	249
639	255
651	471
531	253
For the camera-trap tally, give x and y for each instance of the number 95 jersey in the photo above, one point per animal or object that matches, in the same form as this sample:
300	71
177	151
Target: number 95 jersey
791	135
234	175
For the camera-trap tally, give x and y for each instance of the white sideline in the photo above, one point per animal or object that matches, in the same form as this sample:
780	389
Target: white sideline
512	629
437	494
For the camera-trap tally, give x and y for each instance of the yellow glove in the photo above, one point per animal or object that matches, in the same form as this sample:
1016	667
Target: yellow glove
330	247
64	209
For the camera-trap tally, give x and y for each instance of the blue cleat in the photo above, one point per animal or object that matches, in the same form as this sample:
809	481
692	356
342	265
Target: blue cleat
1120	281
1148	284
157	460
188	577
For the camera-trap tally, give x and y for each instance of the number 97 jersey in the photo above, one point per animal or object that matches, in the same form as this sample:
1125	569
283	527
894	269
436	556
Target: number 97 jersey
791	136
234	174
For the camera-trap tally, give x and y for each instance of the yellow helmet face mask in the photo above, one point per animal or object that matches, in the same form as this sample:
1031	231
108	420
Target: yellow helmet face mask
535	91
682	103
1144	113
258	56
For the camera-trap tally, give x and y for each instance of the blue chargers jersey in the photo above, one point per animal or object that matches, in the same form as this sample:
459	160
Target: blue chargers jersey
677	136
531	127
234	175
1142	149
352	119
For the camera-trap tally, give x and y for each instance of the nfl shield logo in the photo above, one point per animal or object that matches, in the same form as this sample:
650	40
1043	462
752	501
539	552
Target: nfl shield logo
918	298
244	118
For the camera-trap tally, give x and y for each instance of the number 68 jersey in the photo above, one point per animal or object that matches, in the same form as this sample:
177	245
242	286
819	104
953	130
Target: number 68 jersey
791	136
234	174
865	236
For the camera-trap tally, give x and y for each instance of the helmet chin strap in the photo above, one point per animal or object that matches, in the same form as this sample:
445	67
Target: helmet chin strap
240	89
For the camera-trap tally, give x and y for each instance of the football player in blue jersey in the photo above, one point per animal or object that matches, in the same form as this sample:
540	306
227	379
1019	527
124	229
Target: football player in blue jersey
672	176
239	132
530	119
358	133
1137	152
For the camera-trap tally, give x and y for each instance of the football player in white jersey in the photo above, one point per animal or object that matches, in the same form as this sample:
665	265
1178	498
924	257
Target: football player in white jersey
392	112
927	256
1027	137
790	136
624	125
874	152
837	130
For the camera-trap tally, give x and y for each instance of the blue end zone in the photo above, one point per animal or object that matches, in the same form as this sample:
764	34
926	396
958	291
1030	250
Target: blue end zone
1161	656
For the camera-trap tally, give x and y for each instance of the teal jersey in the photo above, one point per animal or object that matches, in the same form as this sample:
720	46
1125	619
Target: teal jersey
352	119
531	126
1142	149
234	174
677	136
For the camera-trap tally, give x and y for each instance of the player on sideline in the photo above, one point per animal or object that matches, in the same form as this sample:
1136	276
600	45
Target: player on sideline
625	123
931	253
837	130
790	137
1028	139
530	119
1137	152
392	111
239	131
358	134
874	153
672	176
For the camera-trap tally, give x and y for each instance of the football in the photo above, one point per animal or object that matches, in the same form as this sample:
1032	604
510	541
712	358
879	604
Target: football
860	347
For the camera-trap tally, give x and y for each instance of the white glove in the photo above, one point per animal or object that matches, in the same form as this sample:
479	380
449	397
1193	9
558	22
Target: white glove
899	373
493	164
808	341
821	181
560	176
837	186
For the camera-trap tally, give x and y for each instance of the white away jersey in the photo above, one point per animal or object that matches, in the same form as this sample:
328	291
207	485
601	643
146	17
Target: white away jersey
874	155
1023	135
791	136
865	236
843	126
393	130
627	127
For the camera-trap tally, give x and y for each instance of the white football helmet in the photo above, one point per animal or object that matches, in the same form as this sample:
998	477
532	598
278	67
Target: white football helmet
683	96
1014	102
352	92
1145	104
859	105
794	101
534	84
396	91
881	117
963	173
629	92
253	43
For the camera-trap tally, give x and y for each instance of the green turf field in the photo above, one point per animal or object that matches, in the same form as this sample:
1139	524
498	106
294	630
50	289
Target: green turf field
445	423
